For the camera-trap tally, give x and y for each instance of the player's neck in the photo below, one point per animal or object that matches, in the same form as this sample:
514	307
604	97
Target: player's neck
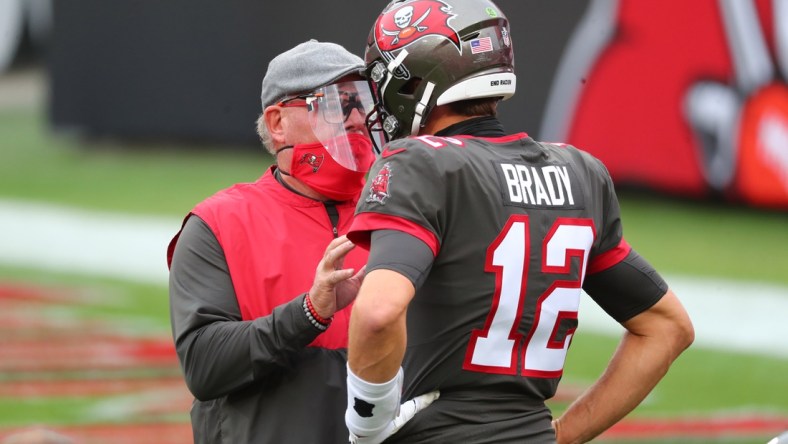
441	117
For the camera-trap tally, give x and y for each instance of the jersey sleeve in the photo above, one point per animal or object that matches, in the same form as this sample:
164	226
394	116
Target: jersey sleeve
404	192
611	247
400	252
627	288
619	280
219	352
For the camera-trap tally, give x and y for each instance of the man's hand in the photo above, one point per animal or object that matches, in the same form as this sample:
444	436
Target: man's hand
407	411
347	290
334	287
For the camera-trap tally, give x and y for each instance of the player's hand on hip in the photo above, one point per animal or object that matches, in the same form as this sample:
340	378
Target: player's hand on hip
331	279
407	411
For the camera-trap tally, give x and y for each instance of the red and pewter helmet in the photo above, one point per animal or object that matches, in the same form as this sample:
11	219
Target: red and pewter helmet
425	53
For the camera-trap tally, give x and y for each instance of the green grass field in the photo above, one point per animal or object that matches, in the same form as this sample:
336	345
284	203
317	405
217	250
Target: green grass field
678	236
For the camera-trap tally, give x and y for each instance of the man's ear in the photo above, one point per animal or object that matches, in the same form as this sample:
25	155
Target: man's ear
272	117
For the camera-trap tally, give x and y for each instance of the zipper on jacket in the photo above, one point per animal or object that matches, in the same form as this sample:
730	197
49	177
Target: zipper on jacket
333	216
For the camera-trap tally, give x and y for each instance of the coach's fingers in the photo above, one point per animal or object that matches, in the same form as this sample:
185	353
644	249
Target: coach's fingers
328	274
335	257
337	276
323	291
358	278
333	246
348	290
336	241
332	261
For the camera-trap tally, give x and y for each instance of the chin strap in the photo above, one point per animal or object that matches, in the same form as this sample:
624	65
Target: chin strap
421	108
392	67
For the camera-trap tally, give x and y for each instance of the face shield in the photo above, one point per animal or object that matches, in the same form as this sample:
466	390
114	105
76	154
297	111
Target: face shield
337	114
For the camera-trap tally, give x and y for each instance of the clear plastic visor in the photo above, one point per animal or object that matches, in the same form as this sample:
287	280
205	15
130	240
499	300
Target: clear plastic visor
337	114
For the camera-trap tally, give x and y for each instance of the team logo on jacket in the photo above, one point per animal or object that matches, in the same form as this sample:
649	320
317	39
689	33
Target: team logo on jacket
379	190
414	20
313	160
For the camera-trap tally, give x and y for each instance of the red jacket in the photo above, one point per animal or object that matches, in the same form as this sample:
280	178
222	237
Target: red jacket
273	240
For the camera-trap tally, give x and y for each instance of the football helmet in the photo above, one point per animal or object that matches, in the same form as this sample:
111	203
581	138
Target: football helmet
425	53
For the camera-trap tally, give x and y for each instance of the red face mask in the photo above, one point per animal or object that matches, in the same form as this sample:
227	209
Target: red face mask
314	166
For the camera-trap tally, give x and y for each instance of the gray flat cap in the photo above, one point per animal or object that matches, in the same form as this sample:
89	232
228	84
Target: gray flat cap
307	67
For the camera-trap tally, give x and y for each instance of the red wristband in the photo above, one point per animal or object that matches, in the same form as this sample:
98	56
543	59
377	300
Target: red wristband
314	314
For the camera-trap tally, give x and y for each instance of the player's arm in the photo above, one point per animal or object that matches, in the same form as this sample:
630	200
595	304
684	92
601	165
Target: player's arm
398	264
218	351
377	337
653	339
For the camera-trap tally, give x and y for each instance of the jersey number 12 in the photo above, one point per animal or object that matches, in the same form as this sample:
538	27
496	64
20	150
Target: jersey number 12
494	348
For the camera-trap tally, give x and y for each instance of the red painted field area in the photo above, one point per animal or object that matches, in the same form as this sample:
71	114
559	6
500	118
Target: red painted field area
46	356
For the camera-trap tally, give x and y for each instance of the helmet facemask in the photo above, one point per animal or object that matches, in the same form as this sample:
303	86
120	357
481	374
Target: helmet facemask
390	125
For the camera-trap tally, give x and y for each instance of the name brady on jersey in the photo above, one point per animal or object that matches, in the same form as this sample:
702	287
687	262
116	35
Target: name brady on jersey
537	186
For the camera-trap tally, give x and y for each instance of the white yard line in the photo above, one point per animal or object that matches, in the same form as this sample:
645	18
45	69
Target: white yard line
728	315
69	240
746	317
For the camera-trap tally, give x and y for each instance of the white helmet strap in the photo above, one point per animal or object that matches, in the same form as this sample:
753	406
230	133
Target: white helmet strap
391	67
421	107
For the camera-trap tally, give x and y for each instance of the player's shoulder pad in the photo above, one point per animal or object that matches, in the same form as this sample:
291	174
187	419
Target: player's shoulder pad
570	150
558	145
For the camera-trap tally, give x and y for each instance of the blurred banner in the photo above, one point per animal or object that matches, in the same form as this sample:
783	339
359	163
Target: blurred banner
192	70
682	97
685	97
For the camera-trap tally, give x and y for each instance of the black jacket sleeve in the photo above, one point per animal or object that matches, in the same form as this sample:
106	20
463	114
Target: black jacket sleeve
218	351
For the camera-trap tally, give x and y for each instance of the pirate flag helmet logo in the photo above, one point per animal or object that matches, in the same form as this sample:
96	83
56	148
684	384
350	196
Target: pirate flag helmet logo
408	22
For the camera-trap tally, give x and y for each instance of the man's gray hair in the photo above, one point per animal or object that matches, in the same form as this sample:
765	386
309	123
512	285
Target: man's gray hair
265	135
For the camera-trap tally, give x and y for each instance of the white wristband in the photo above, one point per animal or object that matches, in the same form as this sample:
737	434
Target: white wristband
371	407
